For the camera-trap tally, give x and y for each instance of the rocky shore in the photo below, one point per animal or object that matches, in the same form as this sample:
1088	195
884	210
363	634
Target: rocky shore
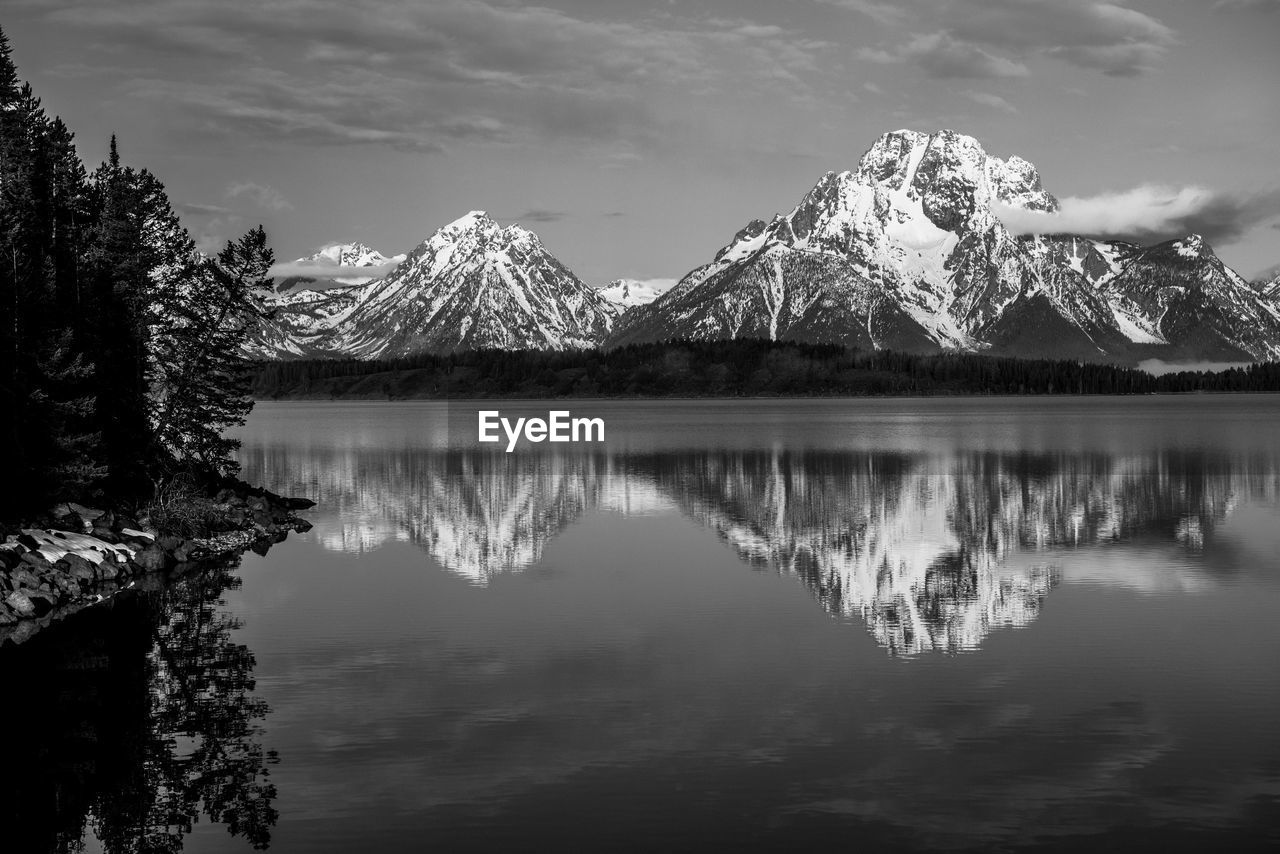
77	556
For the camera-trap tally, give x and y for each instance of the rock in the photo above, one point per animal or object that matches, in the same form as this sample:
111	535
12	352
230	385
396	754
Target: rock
78	568
107	571
9	558
168	542
86	513
29	541
302	526
42	601
263	518
298	503
136	539
153	558
36	559
106	535
64	584
24	578
20	603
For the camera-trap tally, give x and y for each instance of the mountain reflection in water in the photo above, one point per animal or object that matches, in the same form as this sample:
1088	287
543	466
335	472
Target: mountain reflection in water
931	552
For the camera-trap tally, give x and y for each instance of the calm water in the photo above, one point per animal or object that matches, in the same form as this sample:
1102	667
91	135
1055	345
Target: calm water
921	624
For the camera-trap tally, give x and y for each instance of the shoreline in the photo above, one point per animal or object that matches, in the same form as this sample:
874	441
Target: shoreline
75	557
838	396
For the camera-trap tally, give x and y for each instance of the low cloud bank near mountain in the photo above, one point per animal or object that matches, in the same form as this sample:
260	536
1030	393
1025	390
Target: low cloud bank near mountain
1149	213
313	270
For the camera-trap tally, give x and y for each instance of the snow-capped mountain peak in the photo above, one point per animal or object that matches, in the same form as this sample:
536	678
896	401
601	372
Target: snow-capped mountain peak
626	293
348	255
906	251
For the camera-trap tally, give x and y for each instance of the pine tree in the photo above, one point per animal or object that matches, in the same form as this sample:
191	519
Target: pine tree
205	386
121	261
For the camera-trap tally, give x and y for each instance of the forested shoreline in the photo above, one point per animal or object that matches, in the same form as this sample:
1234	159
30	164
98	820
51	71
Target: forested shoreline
120	363
737	368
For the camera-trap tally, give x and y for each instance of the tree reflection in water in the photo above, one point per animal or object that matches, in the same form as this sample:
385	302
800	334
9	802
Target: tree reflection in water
132	721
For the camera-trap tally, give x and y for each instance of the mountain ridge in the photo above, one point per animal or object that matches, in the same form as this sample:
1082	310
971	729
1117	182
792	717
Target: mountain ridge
907	251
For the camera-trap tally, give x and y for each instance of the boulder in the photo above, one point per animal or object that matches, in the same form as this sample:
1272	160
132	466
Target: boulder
24	578
106	535
168	542
9	557
298	503
36	559
42	601
88	514
20	604
78	568
153	558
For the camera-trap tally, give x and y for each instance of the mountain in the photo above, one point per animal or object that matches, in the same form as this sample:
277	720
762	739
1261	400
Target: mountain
471	284
627	293
1190	299
317	271
476	284
908	252
305	308
1269	276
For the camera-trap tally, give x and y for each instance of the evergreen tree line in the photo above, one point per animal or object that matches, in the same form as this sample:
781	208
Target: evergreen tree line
725	369
119	342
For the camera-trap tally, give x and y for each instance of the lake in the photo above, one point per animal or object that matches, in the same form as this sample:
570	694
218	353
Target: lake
921	624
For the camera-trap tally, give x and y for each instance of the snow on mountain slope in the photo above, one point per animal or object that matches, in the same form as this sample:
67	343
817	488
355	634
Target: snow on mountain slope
627	293
904	252
1199	306
304	309
908	252
332	266
475	284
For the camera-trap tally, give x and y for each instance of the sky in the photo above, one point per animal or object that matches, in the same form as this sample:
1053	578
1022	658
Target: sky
637	136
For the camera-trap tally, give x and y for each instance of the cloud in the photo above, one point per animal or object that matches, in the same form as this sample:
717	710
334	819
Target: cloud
995	38
265	197
884	13
197	209
877	55
541	215
1149	212
941	55
323	272
989	100
1264	5
421	77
